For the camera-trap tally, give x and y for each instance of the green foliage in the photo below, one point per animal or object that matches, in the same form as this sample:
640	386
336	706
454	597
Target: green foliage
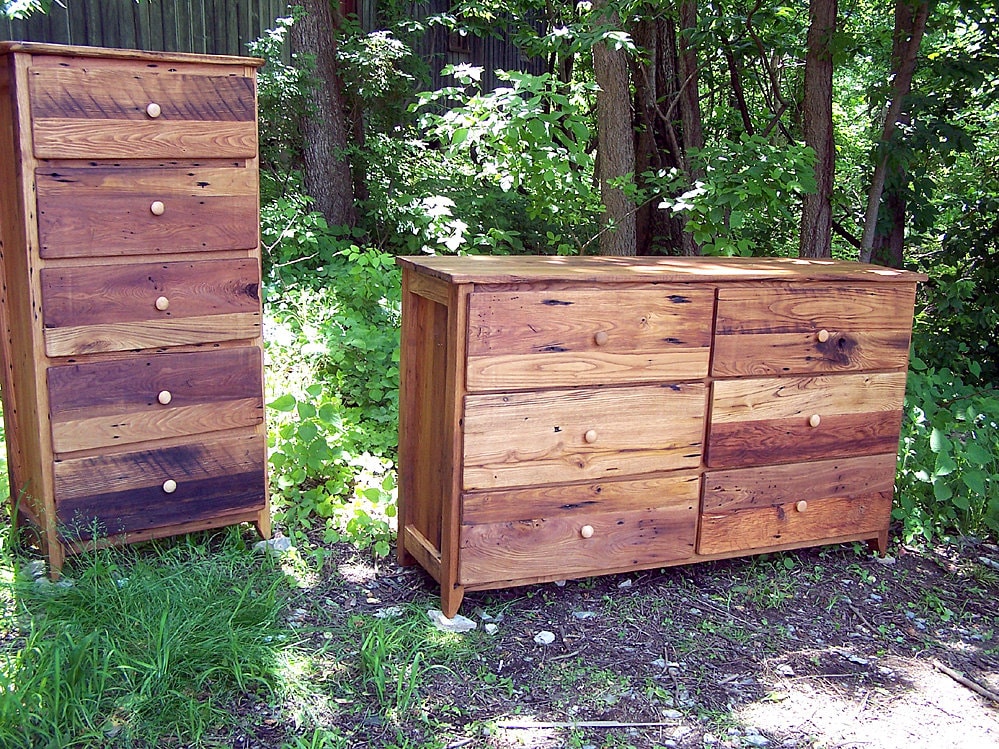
138	650
948	475
750	192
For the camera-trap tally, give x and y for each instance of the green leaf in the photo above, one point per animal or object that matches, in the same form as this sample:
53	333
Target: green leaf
307	431
974	480
306	410
975	453
942	491
939	442
285	402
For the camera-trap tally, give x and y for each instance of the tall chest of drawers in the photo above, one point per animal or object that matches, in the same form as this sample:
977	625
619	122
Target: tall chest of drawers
130	307
567	417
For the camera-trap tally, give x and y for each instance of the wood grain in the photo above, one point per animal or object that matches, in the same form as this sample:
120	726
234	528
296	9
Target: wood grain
106	211
521	439
756	529
743	355
764	486
108	403
794	308
621	538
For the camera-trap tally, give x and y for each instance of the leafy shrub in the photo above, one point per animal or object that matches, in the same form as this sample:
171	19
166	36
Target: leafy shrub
948	474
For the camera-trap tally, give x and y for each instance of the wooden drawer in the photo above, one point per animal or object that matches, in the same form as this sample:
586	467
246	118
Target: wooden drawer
521	439
126	211
102	404
125	491
587	528
517	339
116	307
780	420
808	329
755	508
99	111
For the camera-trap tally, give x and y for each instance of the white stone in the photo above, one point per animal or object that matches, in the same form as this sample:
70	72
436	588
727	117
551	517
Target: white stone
459	624
544	637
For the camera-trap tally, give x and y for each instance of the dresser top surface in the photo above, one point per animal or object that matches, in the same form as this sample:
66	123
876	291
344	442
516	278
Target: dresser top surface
65	50
495	269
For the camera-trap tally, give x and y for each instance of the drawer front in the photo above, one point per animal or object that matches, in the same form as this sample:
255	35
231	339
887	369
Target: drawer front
123	492
125	211
782	420
110	403
588	337
805	329
576	530
102	112
118	307
758	528
524	439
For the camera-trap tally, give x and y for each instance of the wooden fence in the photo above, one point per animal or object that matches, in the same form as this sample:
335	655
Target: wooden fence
220	27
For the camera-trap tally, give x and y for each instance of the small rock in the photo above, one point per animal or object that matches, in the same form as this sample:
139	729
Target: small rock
659	663
888	561
584	614
487	617
754	739
491	628
784	669
624	584
696	612
274	546
389	612
672	714
459	624
560	583
544	637
875	597
709	739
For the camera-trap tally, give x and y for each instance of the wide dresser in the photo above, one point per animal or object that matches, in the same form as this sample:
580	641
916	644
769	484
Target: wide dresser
130	310
564	417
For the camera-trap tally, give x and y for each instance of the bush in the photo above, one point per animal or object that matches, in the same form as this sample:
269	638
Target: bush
948	472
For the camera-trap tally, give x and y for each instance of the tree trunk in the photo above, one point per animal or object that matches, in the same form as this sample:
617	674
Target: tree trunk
910	24
325	132
615	136
689	102
815	239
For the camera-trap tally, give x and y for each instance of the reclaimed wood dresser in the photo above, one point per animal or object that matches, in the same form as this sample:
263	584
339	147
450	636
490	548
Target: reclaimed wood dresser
567	417
130	308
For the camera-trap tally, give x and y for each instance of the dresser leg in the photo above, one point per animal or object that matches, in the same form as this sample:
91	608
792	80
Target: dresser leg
263	523
879	545
451	596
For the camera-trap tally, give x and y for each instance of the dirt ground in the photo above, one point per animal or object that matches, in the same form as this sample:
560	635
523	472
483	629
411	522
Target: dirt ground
827	648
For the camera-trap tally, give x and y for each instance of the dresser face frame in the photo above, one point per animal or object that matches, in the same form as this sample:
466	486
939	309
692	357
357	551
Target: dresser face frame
568	417
130	313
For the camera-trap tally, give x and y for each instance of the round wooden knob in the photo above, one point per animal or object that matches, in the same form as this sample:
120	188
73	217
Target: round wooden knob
586	531
814	420
801	506
164	397
590	436
823	336
161	303
169	486
153	109
156	208
601	337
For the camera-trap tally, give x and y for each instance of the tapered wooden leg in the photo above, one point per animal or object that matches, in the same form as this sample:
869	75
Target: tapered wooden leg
879	545
451	597
263	523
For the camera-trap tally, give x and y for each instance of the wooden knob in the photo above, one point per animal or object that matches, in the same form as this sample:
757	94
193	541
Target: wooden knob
801	506
169	486
156	208
814	420
161	303
823	335
153	109
164	397
601	337
590	436
586	531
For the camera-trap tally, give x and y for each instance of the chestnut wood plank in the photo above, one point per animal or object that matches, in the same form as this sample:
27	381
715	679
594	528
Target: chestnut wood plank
107	211
98	92
621	538
786	308
101	404
756	529
123	492
520	269
574	337
522	439
81	139
764	486
803	353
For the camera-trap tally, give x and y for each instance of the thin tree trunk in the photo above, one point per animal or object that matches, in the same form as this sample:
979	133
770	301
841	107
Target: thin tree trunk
815	239
690	102
327	169
910	24
616	142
